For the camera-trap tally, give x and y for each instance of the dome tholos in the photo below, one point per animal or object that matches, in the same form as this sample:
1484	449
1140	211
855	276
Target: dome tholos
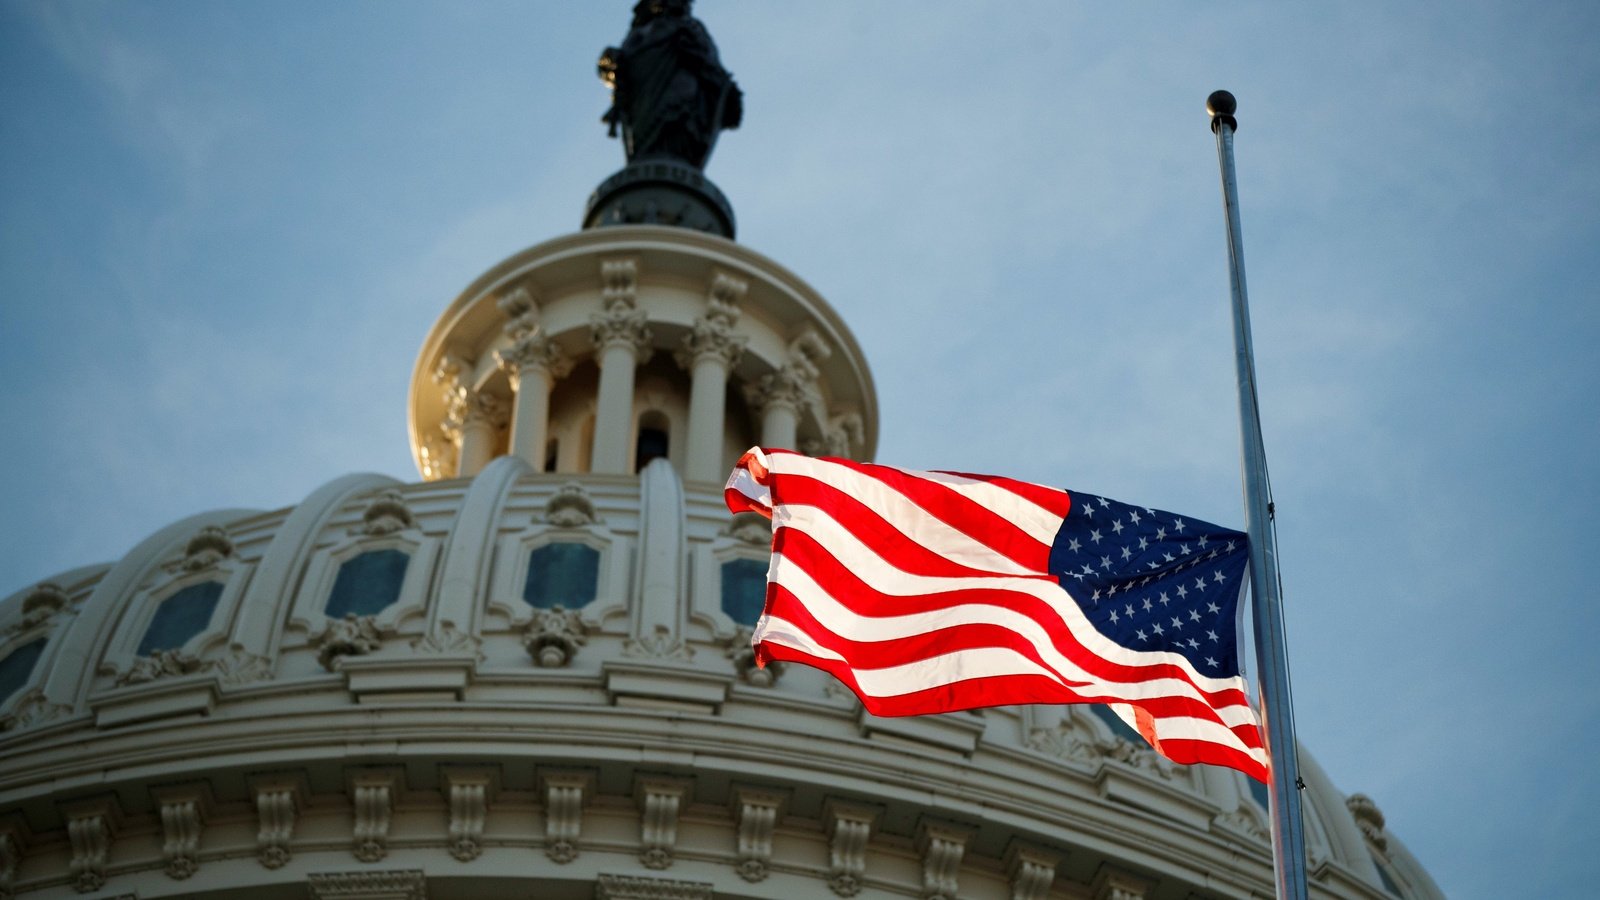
530	672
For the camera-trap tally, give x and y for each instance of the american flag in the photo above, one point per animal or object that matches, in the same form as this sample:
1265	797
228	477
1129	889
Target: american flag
928	592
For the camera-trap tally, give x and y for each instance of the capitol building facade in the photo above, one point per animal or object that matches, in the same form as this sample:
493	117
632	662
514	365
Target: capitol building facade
528	673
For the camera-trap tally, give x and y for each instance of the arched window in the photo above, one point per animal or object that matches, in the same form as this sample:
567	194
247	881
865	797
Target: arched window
367	584
652	441
744	590
17	667
180	617
565	574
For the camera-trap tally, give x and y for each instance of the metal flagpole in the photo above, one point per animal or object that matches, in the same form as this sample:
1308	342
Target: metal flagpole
1272	661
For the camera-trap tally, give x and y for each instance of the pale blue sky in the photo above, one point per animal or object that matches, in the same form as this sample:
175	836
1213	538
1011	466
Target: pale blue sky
226	227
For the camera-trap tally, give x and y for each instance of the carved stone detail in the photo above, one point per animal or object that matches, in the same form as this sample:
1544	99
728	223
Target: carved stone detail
438	457
386	514
563	813
446	639
849	828
395	884
34	708
839	435
553	636
750	528
622	327
619	282
352	635
13	840
1031	871
91	827
159	664
787	386
743	657
468	795
275	808
633	887
757	812
372	796
1368	818
659	802
182	812
659	644
239	666
942	847
208	547
44	602
534	351
571	507
521	310
1113	884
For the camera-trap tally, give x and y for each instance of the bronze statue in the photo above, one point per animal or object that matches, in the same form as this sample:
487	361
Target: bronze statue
669	91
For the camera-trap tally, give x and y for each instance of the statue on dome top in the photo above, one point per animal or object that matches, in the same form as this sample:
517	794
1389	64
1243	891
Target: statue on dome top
669	92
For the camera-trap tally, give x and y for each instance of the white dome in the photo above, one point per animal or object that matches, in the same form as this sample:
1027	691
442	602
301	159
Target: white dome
448	735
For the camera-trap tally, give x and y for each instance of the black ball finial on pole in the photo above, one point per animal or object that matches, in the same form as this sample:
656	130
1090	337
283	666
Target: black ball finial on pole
1221	106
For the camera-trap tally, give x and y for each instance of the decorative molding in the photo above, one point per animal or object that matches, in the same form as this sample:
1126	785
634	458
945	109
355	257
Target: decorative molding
659	802
352	635
553	636
1031	870
619	281
14	835
942	845
394	884
277	801
840	433
447	640
183	810
91	828
439	457
372	799
387	513
849	828
571	507
534	351
1369	819
565	793
757	812
239	666
743	656
467	791
749	528
659	644
634	887
159	664
43	603
788	386
208	547
1114	884
521	310
624	327
34	708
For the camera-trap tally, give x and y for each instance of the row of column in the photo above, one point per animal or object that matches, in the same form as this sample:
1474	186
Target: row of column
622	340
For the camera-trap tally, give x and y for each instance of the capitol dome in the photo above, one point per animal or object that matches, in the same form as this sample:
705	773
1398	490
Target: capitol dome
529	673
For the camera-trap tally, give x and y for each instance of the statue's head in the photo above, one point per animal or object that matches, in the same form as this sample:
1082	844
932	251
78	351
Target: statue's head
649	10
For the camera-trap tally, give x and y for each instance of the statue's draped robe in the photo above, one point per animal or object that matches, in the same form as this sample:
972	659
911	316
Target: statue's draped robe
672	94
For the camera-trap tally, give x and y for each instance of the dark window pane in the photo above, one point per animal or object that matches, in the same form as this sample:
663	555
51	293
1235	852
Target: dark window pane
18	666
1118	727
565	574
180	617
368	584
652	443
744	590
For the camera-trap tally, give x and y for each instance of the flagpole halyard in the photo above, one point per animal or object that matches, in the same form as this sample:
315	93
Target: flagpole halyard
1277	711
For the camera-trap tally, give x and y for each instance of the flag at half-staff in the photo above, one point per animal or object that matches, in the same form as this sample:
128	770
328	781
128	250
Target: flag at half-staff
928	592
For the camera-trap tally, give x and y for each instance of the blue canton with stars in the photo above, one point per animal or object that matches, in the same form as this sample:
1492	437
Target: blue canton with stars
1152	580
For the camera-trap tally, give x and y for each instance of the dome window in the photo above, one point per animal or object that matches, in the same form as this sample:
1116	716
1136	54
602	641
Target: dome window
744	590
180	617
17	667
565	574
367	584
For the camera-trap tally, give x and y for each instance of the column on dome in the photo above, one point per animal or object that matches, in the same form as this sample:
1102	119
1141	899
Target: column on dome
710	352
781	395
471	416
622	343
533	363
